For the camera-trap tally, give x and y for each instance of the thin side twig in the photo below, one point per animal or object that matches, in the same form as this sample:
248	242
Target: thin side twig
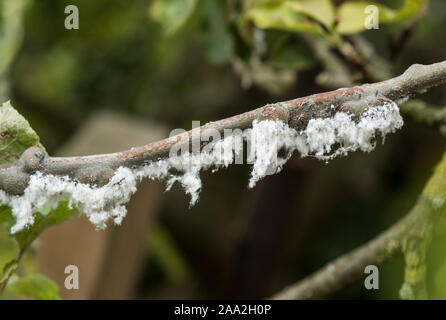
349	268
408	235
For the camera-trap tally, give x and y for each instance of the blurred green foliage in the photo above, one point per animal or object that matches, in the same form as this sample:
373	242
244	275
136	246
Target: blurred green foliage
166	254
16	137
119	59
33	286
172	14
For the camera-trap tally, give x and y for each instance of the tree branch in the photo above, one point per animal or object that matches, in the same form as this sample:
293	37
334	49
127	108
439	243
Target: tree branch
98	169
410	235
424	113
349	268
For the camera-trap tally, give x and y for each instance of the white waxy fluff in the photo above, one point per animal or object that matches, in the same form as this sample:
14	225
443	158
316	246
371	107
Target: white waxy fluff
265	139
320	136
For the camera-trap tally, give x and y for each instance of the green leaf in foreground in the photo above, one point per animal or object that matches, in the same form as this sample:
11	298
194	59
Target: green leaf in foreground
33	286
42	221
16	135
8	270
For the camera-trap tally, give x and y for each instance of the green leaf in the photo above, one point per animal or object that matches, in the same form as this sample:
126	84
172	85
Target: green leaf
5	214
42	221
8	271
352	15
298	16
437	263
11	18
16	135
172	14
33	286
411	8
320	10
9	251
9	248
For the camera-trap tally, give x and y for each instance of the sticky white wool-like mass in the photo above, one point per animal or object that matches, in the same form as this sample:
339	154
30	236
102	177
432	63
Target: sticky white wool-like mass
320	137
265	140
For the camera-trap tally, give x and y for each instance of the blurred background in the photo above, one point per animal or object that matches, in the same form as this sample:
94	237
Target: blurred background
135	70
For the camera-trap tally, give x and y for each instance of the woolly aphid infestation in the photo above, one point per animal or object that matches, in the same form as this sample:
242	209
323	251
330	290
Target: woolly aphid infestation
322	138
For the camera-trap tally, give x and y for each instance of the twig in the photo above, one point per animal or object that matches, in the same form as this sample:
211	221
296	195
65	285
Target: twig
98	169
380	69
424	113
397	44
348	268
410	230
335	73
352	56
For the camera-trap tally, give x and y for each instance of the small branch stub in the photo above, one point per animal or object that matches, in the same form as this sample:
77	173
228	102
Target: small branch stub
32	159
